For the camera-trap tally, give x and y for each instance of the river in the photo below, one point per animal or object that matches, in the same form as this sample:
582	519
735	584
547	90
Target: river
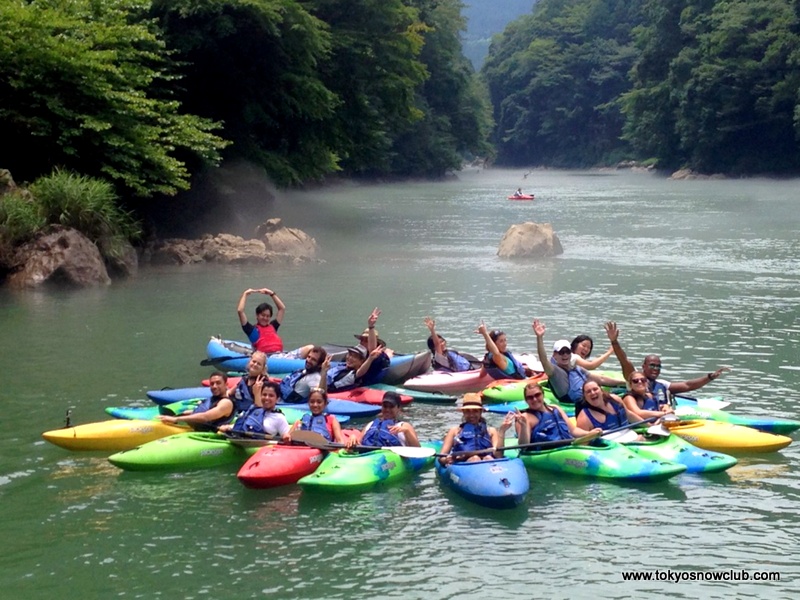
706	273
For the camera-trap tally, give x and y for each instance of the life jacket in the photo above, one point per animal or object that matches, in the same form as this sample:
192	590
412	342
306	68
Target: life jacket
321	424
207	405
647	403
378	434
495	373
660	393
288	393
341	378
266	339
375	372
455	362
252	421
616	418
242	396
551	426
471	438
576	377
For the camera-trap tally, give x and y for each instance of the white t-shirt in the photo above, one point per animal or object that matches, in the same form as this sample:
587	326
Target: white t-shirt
275	424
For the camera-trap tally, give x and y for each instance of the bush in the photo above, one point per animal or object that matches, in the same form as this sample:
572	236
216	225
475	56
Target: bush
86	204
20	217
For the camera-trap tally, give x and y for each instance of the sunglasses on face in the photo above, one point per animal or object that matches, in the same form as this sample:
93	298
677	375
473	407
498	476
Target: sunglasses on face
654	365
638	380
533	396
387	405
564	352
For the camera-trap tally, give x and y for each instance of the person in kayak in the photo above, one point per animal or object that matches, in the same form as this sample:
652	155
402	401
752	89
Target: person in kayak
212	412
349	375
317	420
249	386
369	339
518	193
565	378
498	362
445	359
264	334
262	418
661	389
473	440
640	400
545	423
582	346
297	386
602	409
387	429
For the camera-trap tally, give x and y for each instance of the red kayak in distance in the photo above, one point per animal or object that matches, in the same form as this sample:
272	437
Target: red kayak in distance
523	197
364	395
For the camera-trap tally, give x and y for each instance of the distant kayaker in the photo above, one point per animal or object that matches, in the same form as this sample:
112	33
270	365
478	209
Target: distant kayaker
264	334
387	429
445	359
498	362
518	193
661	389
565	378
297	386
546	423
263	417
212	412
473	440
369	339
317	420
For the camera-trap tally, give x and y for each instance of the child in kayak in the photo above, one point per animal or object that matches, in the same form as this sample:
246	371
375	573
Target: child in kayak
317	420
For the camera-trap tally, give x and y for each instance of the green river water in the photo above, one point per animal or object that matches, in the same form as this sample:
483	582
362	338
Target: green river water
705	273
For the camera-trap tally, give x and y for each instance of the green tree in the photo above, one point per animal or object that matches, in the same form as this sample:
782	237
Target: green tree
83	85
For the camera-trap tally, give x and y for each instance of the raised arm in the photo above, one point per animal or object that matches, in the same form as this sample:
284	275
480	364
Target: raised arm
680	387
372	339
539	329
437	343
240	309
499	359
362	370
279	305
323	373
613	336
590	365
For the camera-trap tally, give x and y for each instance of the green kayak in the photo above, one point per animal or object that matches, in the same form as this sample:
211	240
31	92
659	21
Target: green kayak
675	449
346	472
195	450
603	459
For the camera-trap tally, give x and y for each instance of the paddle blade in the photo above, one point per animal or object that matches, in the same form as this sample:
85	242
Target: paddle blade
658	430
313	439
410	451
583	440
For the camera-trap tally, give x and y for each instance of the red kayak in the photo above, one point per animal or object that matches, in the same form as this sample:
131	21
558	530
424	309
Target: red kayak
364	395
523	197
278	465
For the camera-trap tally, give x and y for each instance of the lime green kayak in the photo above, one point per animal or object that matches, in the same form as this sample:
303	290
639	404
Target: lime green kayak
346	472
675	449
195	450
603	459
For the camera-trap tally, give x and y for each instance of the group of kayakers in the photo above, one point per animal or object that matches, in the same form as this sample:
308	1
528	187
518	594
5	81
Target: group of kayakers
251	407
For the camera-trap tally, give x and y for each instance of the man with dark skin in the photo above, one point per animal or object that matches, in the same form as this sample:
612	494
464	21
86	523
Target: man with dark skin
651	368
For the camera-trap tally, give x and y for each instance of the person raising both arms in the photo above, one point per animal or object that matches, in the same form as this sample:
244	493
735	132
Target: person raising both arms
564	378
661	389
264	334
582	347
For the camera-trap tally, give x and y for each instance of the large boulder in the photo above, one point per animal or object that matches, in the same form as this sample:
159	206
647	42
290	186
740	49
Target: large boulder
530	240
60	255
120	257
287	240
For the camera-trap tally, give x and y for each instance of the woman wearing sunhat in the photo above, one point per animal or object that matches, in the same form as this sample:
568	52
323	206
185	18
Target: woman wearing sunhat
473	439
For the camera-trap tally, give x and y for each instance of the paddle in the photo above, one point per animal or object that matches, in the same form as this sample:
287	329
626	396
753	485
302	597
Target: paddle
315	440
214	362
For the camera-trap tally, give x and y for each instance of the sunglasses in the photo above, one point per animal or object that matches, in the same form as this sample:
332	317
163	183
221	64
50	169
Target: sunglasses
533	396
564	351
388	405
654	365
638	380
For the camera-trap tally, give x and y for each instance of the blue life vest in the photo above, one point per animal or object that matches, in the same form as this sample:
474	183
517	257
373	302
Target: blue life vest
375	372
456	363
551	426
207	405
288	393
339	372
660	393
471	438
252	420
647	403
576	378
320	424
616	418
495	373
242	396
378	434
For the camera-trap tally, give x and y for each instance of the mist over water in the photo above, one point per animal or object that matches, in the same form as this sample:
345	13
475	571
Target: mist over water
705	273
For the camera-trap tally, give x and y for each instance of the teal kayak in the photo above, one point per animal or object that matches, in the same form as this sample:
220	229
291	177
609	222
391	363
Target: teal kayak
195	450
347	472
688	412
603	459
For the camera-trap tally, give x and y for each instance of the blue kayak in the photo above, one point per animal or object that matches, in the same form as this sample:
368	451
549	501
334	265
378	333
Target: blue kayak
498	483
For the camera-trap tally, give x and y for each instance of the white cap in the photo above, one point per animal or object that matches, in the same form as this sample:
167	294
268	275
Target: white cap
560	345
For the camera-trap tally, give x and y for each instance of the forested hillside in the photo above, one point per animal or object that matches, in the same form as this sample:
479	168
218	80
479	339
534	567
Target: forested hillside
486	18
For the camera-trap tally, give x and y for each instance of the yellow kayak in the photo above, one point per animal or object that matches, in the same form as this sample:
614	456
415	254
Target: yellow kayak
113	435
727	437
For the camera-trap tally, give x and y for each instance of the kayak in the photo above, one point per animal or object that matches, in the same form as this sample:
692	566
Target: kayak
464	382
689	412
347	472
675	449
112	435
522	197
603	459
231	355
418	396
196	450
292	412
499	483
727	437
279	464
